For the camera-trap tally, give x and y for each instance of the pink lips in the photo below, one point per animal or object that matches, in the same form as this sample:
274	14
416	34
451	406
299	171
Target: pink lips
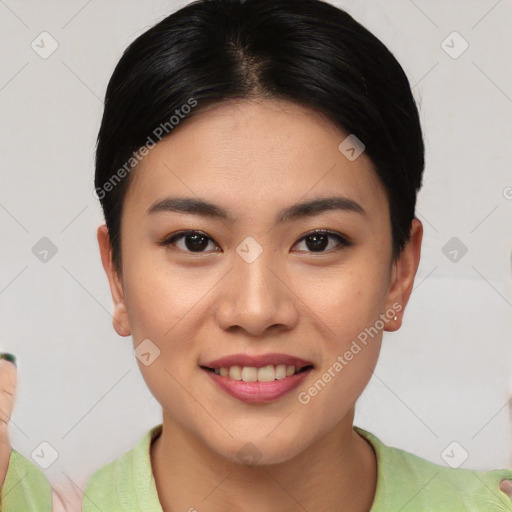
258	392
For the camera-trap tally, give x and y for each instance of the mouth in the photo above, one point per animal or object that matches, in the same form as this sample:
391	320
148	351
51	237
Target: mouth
261	383
266	373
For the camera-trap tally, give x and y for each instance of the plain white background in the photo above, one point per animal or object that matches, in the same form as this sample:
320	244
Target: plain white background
444	377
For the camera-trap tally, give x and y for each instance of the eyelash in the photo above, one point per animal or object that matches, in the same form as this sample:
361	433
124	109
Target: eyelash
343	241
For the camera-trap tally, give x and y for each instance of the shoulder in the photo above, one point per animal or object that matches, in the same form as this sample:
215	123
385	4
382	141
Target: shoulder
116	486
101	489
410	483
25	487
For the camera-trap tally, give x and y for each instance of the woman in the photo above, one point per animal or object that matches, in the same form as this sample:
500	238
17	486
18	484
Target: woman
258	164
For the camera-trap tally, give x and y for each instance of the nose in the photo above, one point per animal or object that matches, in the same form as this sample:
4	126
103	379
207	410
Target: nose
256	297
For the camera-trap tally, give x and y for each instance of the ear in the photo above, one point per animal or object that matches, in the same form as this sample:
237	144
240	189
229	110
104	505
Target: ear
120	318
403	274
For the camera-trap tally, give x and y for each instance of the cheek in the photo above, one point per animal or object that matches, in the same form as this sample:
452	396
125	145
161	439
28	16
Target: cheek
348	306
165	311
348	310
347	299
159	296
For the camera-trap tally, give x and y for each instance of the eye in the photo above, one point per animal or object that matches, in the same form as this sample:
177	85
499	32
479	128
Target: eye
189	241
318	241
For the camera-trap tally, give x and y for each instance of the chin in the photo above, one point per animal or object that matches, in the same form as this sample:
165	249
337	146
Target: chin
259	450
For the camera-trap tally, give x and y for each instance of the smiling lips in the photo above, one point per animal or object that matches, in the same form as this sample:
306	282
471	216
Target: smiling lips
260	378
261	368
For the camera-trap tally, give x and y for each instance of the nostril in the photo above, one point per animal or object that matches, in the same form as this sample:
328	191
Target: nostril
506	487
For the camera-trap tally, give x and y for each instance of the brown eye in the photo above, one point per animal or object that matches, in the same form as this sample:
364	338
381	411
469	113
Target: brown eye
190	241
319	241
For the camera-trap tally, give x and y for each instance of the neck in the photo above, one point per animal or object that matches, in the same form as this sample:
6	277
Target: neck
337	472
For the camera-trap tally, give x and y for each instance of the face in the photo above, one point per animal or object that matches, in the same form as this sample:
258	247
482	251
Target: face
257	280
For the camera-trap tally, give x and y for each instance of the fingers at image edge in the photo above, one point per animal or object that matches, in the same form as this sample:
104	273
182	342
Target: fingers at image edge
8	357
8	381
506	487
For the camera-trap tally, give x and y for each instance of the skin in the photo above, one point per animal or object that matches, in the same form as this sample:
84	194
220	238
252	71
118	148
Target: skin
8	381
254	158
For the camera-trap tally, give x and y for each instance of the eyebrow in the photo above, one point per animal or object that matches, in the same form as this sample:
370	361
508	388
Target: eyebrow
296	211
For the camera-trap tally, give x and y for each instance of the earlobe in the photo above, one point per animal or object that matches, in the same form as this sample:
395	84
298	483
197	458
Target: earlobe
120	319
403	274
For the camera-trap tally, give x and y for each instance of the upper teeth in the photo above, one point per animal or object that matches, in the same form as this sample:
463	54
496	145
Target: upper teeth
253	374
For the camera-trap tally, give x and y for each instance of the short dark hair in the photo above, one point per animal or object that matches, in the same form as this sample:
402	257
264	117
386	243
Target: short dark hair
304	51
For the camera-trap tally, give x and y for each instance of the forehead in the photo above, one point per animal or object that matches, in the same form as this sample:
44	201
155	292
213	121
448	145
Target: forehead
252	155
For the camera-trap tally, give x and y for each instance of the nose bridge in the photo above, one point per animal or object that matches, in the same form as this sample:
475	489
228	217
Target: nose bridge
256	286
255	297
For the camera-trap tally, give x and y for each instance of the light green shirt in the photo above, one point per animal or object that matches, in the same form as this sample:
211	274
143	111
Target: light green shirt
405	483
25	488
